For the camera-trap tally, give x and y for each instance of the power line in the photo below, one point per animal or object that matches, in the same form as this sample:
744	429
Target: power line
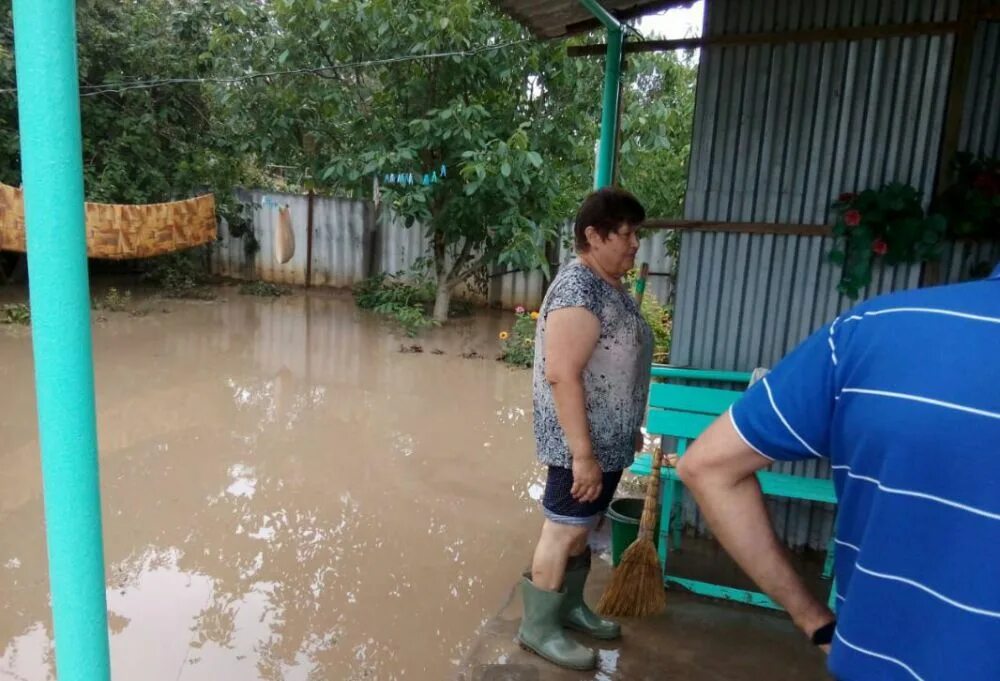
125	86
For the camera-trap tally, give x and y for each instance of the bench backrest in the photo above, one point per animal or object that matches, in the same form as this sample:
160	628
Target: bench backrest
684	411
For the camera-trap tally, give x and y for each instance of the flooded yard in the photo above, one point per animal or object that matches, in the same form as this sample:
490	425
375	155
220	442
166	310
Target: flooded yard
286	495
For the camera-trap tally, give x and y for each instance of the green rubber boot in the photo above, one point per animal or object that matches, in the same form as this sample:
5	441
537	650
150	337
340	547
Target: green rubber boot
542	633
575	614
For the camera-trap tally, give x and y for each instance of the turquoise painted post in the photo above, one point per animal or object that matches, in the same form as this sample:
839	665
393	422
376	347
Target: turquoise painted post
52	175
604	172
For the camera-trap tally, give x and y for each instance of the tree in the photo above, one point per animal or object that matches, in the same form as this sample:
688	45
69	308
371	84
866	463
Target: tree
657	130
339	94
140	144
486	126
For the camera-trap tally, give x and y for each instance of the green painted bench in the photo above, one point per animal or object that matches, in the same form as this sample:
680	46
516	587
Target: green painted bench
683	412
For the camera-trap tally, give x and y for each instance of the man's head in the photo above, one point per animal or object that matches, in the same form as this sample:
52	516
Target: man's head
606	227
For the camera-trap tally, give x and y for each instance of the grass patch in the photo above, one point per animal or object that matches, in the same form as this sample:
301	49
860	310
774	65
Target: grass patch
264	289
113	301
19	314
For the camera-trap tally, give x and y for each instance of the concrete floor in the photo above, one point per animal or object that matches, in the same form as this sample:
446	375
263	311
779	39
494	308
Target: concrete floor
696	639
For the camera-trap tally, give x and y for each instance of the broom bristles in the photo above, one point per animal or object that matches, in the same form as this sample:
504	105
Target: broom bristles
636	587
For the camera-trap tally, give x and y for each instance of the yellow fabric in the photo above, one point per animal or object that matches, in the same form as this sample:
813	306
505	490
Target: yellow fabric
117	232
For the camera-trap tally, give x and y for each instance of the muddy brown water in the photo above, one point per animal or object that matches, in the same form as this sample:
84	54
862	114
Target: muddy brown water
285	494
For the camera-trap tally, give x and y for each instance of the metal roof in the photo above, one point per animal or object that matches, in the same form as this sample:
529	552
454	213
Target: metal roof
557	18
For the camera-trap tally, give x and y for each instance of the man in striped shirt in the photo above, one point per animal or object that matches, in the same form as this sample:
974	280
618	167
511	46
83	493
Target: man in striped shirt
902	396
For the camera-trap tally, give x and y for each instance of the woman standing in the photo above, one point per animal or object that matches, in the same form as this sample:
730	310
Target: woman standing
593	352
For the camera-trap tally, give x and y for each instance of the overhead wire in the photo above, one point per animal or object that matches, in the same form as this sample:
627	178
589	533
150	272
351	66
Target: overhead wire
125	86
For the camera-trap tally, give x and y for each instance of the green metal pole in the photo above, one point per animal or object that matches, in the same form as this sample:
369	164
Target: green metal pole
604	171
52	175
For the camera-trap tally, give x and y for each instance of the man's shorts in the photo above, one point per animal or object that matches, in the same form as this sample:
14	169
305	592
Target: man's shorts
560	506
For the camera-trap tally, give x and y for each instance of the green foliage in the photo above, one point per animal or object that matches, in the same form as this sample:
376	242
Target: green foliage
113	301
659	318
399	299
889	223
971	204
263	289
517	346
180	275
657	128
15	314
514	126
143	145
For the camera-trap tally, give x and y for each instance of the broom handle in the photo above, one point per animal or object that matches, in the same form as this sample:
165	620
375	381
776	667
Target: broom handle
651	506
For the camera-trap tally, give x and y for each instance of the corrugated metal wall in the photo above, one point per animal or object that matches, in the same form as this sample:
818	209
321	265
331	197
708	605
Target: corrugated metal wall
981	122
341	228
342	232
781	130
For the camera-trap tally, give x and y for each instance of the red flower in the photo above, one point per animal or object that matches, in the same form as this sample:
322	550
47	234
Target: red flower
852	218
880	247
846	197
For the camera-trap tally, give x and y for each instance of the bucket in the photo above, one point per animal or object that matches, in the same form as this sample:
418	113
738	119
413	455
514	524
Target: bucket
624	514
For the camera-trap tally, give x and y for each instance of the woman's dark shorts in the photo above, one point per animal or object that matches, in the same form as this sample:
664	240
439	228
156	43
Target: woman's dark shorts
560	506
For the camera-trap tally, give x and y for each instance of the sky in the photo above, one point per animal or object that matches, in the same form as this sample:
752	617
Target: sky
683	22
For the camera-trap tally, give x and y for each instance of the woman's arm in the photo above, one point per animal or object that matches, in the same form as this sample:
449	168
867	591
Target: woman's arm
571	334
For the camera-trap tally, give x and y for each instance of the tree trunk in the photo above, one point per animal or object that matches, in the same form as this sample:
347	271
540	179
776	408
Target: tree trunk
442	301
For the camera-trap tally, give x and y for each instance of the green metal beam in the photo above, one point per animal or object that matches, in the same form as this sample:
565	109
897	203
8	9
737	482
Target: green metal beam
52	175
605	167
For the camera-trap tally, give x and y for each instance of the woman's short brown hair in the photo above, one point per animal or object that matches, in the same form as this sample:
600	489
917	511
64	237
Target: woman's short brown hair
606	210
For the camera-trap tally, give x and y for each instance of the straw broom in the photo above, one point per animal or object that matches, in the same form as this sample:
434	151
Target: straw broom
636	587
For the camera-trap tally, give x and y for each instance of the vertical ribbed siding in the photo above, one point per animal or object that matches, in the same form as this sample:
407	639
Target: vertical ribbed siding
341	230
780	131
981	115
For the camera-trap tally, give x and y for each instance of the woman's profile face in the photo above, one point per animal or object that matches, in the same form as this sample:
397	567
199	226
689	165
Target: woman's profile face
616	254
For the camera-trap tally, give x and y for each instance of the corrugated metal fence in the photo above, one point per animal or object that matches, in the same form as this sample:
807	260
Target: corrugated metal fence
350	243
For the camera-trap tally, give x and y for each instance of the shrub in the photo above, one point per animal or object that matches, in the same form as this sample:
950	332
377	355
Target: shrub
405	302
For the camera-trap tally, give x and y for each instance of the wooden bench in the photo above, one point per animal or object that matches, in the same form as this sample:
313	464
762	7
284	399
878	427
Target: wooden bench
683	412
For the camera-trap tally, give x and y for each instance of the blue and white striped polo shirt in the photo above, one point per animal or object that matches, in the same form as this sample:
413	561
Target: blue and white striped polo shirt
902	395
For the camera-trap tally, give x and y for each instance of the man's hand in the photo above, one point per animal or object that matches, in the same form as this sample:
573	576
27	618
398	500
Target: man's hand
640	441
587	479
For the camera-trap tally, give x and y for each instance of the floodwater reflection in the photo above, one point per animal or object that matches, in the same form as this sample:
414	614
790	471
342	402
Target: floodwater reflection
286	495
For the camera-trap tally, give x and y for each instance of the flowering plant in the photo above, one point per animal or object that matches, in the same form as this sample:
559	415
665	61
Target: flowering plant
887	223
517	346
971	204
